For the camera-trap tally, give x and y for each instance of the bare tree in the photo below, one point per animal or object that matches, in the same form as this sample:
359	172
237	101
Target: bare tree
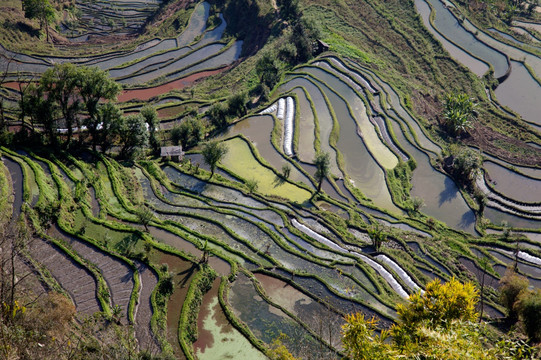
3	123
13	239
484	263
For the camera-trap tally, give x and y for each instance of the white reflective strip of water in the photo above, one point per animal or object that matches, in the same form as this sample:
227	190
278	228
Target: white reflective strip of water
288	126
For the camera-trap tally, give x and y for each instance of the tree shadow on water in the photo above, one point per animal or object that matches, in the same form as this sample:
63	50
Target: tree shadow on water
449	192
186	275
467	221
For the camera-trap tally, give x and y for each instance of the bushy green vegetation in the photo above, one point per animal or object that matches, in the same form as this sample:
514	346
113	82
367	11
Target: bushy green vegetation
188	133
72	102
458	113
521	303
42	10
439	324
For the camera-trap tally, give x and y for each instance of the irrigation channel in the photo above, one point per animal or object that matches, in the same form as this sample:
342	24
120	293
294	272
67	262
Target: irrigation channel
285	259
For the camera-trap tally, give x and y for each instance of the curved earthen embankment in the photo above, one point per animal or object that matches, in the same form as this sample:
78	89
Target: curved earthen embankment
508	205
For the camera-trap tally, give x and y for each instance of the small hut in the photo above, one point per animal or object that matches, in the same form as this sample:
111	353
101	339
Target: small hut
322	47
173	153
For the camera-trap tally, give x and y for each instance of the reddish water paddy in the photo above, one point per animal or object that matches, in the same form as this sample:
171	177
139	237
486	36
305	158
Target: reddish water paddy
148	93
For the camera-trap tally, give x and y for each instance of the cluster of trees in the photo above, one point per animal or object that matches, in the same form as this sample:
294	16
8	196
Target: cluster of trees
236	106
463	164
189	133
521	303
299	47
192	130
41	10
75	107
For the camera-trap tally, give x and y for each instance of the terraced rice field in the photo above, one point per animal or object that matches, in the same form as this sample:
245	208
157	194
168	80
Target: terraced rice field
265	243
471	45
105	18
294	247
168	59
286	257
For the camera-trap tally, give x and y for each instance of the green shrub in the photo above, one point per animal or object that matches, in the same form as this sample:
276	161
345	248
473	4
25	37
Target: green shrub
166	285
512	286
236	105
529	309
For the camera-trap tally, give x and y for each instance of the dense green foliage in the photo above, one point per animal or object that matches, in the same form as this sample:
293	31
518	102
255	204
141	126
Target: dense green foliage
42	10
188	133
529	307
133	135
458	113
512	286
151	119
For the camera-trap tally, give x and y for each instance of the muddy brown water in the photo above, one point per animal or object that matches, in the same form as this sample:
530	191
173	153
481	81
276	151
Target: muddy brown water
221	266
183	272
309	311
205	338
490	280
171	111
143	317
268	322
320	291
17	184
